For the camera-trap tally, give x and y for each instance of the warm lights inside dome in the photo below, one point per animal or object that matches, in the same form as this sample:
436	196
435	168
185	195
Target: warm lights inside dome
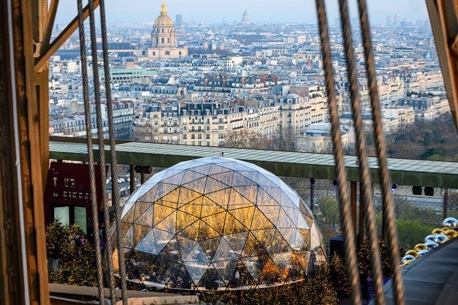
218	223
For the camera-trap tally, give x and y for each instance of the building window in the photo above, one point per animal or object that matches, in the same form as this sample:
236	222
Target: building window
162	40
167	52
168	40
154	53
179	53
162	30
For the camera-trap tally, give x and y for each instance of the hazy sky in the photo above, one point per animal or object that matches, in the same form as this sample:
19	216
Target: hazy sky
232	10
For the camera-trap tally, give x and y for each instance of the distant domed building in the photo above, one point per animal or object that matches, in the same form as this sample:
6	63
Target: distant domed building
245	18
164	38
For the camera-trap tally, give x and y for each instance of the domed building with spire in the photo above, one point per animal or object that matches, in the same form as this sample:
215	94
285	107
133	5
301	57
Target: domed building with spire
164	38
245	18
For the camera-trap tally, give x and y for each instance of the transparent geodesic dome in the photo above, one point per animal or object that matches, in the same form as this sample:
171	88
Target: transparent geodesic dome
218	223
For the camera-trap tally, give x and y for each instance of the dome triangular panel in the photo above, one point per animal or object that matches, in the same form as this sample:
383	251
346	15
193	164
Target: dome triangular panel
220	199
244	178
232	225
238	201
193	208
150	195
190	176
167	223
244	215
216	221
140	209
162	190
186	246
146	219
210	246
203	169
197	185
224	177
260	221
184	220
140	232
284	220
188	195
250	192
173	176
213	185
154	241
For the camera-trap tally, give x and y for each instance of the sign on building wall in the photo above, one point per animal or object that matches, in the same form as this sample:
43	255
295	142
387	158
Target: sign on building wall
68	194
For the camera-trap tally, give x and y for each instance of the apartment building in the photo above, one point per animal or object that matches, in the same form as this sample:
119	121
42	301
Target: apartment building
301	107
73	123
207	124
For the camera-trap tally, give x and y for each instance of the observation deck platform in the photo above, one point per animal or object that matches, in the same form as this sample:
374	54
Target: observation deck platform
291	164
431	279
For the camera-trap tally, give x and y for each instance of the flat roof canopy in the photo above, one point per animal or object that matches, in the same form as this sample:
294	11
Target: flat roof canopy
292	164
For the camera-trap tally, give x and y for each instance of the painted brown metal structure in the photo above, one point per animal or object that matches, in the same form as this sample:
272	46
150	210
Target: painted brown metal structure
443	15
23	113
25	48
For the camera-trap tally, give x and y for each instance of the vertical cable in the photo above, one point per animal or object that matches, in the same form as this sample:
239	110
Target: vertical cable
87	113
17	153
389	223
106	213
366	190
344	206
114	164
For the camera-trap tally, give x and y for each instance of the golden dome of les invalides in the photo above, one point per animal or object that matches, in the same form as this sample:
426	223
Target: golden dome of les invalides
163	19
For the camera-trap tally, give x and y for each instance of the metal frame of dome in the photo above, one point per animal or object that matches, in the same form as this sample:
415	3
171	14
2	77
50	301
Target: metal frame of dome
218	223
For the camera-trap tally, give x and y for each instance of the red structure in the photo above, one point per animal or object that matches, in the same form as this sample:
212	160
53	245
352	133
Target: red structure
68	194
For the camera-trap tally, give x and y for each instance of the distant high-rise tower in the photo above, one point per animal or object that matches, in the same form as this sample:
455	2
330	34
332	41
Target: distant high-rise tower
245	18
178	20
395	20
388	20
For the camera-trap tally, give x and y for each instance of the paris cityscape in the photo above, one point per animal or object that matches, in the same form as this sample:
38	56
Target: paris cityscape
216	84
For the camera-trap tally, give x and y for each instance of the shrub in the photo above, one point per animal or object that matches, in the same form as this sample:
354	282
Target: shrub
76	256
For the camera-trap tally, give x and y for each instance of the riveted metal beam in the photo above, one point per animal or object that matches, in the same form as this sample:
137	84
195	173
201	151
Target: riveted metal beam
27	270
443	16
11	287
45	54
50	18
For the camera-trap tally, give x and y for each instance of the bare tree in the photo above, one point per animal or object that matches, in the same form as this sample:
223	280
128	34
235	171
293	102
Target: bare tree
246	139
285	140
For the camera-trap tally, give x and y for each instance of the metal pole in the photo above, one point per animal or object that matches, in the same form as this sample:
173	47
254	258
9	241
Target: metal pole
142	178
445	202
132	178
361	221
353	190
